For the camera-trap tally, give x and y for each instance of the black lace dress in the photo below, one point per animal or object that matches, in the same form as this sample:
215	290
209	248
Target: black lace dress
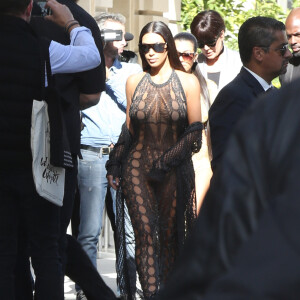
157	179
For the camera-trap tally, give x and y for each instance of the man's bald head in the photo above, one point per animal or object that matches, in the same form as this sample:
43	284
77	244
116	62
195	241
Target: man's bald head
292	25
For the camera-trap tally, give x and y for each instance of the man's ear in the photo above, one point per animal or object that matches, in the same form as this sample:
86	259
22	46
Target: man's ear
222	36
29	9
258	53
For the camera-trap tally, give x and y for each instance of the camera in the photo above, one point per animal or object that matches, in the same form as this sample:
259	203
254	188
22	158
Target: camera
43	11
110	35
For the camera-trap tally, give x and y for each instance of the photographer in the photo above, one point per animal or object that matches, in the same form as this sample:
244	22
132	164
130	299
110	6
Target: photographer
102	126
78	91
21	74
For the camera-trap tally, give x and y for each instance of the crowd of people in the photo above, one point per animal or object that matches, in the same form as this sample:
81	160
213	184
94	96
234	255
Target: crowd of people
194	153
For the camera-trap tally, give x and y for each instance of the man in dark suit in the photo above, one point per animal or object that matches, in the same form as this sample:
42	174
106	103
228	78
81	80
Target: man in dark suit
245	244
22	79
265	55
292	25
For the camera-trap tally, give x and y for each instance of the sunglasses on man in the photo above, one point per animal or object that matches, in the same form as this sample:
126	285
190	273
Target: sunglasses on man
282	50
157	47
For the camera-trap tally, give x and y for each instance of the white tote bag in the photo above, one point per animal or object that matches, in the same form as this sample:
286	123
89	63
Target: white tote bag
49	180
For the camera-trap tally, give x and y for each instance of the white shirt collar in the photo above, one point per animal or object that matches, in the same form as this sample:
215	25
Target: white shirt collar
262	82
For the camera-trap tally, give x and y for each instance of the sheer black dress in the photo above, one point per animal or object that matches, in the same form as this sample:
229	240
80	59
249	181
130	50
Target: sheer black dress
157	179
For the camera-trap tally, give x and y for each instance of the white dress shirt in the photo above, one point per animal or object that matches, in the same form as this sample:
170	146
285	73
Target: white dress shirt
262	82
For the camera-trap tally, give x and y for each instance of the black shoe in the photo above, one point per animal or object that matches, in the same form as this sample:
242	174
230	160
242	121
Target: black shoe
81	296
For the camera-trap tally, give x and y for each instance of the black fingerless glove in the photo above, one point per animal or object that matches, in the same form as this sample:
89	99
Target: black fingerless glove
189	142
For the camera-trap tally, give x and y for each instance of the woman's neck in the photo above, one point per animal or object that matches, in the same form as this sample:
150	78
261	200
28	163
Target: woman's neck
162	73
211	62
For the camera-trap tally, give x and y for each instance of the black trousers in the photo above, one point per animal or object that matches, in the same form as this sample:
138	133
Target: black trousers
67	210
31	223
81	270
75	263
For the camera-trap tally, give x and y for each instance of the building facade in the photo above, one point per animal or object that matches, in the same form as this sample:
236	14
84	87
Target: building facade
138	13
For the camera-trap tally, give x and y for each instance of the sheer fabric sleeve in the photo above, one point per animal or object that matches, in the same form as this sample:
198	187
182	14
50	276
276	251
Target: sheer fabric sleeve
113	165
190	142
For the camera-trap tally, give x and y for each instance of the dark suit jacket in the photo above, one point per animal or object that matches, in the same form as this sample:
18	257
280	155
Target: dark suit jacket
230	104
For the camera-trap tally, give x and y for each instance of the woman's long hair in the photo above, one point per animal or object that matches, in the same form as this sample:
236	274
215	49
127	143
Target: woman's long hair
163	30
186	36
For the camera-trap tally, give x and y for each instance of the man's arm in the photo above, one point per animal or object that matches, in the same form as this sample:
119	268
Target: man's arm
88	100
90	83
223	117
82	53
116	88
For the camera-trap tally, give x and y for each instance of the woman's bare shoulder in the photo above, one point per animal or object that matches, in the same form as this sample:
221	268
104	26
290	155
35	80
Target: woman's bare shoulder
134	79
132	83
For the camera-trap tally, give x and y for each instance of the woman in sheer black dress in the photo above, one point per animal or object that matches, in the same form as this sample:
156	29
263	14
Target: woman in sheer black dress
153	158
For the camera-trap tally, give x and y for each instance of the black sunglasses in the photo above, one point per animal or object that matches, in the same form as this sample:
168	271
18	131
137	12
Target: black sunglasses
186	55
158	47
211	43
282	50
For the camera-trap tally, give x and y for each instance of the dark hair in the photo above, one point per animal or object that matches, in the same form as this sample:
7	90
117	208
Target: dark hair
257	31
207	25
163	30
14	7
186	36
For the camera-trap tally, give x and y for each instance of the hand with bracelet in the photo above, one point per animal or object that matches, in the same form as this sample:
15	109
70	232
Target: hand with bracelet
61	15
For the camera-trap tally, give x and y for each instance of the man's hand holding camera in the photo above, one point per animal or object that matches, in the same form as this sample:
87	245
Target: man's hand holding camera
61	15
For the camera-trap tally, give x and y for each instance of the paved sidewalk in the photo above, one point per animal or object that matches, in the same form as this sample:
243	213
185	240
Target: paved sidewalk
106	267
